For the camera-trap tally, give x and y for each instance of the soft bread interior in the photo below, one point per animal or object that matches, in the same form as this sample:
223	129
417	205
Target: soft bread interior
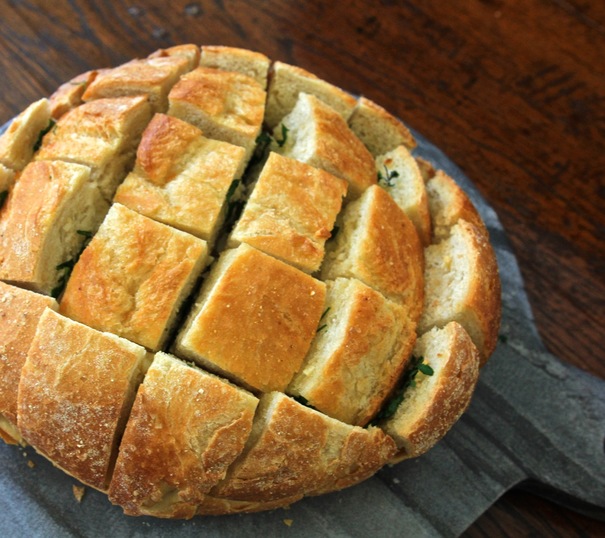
435	402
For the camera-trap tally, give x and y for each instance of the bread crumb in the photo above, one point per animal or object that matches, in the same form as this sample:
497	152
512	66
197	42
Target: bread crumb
78	492
30	464
288	522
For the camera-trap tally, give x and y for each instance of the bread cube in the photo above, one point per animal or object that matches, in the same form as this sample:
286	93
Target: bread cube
182	178
291	212
77	388
253	64
133	276
254	320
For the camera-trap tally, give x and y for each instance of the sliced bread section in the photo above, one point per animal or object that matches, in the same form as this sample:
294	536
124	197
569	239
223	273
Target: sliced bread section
185	429
361	347
77	387
432	405
133	277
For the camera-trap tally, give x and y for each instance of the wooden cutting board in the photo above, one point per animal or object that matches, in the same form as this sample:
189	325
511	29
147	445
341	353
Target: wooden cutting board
534	423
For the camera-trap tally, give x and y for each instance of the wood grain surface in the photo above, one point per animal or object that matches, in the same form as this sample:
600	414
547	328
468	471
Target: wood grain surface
513	91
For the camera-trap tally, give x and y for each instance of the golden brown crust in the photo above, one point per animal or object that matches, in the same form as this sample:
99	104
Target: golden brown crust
77	386
133	277
102	134
246	327
213	506
18	142
432	407
298	450
192	426
288	81
225	105
473	299
153	77
379	245
291	212
379	130
20	311
359	354
69	95
448	204
181	178
189	51
253	64
320	137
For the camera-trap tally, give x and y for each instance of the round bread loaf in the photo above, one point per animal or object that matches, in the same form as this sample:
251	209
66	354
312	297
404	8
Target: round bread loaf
227	284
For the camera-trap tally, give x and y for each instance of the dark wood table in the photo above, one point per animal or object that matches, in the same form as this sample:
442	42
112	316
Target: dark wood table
513	92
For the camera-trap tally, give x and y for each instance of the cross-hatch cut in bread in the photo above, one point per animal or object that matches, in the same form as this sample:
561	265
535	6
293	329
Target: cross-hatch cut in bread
153	77
287	82
77	387
316	134
20	312
41	236
434	402
134	286
377	244
313	231
399	175
358	354
462	284
245	327
225	105
291	212
102	135
182	178
296	450
192	425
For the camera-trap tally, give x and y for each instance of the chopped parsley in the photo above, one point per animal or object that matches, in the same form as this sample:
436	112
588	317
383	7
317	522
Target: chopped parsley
51	125
408	380
3	197
284	136
388	179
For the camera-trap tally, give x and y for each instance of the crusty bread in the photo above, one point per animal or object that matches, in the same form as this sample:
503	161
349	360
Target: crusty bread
182	178
378	129
316	134
153	77
462	284
253	64
286	82
133	277
102	134
192	425
313	233
41	236
225	105
77	386
358	354
19	142
188	51
244	327
294	450
435	402
19	311
400	176
291	212
377	244
69	94
448	204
